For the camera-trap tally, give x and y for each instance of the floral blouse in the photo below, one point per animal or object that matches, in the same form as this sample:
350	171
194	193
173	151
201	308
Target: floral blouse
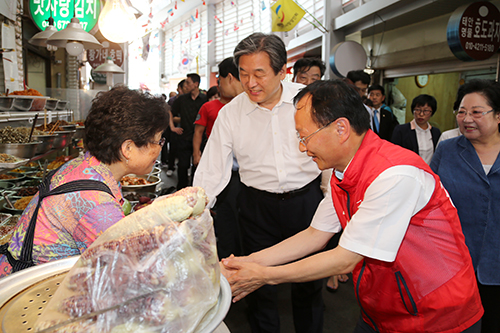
69	223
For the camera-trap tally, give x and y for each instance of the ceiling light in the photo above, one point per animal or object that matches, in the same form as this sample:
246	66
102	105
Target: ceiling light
40	39
109	67
74	34
117	22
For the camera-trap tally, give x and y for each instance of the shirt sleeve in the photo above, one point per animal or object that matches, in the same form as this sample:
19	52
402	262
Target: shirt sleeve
202	118
325	218
377	229
214	171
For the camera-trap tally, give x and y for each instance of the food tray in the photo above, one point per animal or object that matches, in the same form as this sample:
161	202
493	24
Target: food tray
38	102
6	103
23	296
14	164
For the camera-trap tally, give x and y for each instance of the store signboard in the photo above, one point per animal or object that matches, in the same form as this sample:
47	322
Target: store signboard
473	31
87	11
97	57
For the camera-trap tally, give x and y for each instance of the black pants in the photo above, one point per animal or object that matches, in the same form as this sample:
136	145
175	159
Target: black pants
226	223
185	154
490	297
266	221
172	150
363	327
166	147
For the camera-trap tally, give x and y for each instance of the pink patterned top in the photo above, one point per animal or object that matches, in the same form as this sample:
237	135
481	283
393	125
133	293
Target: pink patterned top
68	223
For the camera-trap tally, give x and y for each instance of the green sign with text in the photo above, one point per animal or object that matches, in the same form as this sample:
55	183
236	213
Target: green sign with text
87	11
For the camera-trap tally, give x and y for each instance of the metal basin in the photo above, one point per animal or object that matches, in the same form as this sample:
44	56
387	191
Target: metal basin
63	139
24	295
155	180
6	103
80	132
23	150
47	142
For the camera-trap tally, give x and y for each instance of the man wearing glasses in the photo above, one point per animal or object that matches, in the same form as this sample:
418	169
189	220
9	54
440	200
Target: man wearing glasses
402	237
280	186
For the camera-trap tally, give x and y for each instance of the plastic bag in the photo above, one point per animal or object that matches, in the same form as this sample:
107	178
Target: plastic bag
147	273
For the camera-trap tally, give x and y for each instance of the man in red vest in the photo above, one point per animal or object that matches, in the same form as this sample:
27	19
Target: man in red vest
402	238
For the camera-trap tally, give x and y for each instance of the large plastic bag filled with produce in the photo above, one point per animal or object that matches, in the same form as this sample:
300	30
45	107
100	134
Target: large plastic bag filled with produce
156	270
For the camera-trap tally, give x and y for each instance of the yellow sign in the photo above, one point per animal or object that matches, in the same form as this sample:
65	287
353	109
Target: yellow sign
285	14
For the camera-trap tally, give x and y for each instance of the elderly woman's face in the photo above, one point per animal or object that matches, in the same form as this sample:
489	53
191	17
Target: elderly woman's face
482	127
143	159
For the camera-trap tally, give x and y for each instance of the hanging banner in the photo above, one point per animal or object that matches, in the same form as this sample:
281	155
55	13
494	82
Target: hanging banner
97	57
473	31
87	11
286	14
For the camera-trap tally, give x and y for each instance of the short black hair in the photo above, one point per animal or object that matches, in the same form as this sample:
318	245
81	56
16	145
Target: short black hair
333	99
121	114
304	64
214	90
359	75
376	87
181	83
423	99
194	77
228	66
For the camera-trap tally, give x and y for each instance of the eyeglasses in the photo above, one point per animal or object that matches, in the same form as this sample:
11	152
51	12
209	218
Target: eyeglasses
474	114
161	142
303	140
424	112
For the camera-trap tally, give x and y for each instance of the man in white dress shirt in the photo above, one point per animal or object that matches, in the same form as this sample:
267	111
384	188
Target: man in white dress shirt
280	191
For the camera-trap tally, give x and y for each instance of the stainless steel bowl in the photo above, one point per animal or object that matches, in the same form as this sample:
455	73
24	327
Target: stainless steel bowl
23	150
155	180
80	132
51	104
62	105
6	103
47	142
22	103
63	139
6	185
70	127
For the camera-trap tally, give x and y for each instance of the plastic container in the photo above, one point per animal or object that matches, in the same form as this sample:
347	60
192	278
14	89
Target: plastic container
6	103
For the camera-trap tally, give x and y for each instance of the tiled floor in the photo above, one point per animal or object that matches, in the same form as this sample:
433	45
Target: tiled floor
341	308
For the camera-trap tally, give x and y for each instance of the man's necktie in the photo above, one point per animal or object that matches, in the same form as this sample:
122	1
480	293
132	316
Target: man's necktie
375	120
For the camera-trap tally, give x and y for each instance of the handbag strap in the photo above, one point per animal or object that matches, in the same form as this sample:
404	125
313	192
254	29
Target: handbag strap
26	258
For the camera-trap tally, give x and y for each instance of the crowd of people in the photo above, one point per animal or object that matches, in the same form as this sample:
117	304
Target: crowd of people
308	181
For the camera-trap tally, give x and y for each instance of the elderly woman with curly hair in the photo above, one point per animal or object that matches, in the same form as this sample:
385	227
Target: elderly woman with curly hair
123	135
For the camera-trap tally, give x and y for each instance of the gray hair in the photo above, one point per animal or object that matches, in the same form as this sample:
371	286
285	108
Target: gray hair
259	42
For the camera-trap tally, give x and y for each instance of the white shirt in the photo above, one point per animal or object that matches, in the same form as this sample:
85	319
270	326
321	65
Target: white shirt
449	134
264	143
424	140
378	227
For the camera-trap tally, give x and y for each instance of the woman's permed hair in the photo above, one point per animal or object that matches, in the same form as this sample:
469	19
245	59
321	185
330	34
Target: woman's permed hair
121	114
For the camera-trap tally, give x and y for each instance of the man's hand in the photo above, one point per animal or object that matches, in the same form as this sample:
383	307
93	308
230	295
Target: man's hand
244	277
177	130
196	158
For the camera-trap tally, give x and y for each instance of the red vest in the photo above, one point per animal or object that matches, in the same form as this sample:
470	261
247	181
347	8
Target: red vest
430	286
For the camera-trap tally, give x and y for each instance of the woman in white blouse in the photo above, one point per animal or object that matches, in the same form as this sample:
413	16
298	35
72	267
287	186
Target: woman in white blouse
418	135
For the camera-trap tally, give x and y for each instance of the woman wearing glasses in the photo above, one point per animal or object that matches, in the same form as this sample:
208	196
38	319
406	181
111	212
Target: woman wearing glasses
469	167
418	135
122	136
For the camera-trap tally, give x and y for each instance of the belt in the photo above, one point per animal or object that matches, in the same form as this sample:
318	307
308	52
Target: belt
286	195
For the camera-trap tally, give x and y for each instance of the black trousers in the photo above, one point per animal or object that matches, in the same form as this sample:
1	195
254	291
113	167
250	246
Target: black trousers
226	223
266	221
363	327
490	297
185	154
